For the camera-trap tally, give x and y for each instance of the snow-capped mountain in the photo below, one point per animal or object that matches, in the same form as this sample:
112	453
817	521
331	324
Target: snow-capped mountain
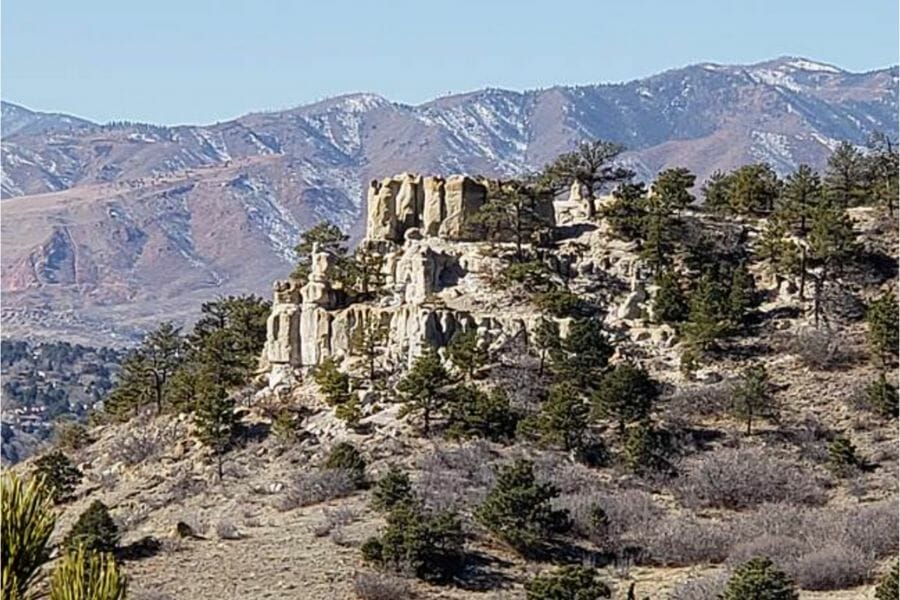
113	219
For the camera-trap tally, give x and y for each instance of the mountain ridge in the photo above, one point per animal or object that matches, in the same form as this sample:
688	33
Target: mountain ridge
106	225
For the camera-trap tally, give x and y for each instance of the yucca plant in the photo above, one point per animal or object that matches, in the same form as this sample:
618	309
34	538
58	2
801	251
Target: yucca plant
25	527
82	574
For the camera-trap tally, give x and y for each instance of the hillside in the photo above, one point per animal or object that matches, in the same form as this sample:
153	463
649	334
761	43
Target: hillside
681	432
104	225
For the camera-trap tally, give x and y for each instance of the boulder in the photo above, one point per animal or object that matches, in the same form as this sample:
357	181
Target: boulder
407	201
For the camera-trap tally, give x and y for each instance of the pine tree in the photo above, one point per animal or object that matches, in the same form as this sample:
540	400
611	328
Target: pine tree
758	578
592	165
801	195
472	413
325	236
94	530
717	193
670	304
844	176
547	341
741	295
882	165
753	189
704	325
644	449
887	585
842	458
59	476
518	509
881	396
162	351
366	271
884	327
214	414
568	583
752	396
520	209
668	195
626	394
346	457
467	352
392	489
367	340
584	356
627	214
562	420
424	389
333	383
832	242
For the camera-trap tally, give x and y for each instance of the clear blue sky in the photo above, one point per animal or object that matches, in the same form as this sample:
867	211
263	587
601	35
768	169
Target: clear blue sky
199	61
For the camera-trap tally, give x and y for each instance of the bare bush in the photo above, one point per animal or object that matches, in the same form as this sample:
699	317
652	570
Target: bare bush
144	441
873	528
335	519
316	487
740	478
820	349
226	530
688	403
374	586
456	478
833	567
684	540
781	550
706	587
622	512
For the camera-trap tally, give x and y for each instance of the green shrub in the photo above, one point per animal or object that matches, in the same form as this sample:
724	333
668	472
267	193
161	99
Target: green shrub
626	394
842	458
887	585
70	435
758	578
95	530
467	352
26	523
646	449
884	327
429	545
59	474
881	397
563	304
392	489
519	510
670	304
345	457
473	413
568	583
533	276
333	383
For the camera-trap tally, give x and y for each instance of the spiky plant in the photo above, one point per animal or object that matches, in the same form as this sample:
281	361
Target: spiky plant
83	574
27	522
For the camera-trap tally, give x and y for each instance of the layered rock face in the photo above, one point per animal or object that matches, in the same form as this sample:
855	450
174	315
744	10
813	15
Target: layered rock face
436	206
413	222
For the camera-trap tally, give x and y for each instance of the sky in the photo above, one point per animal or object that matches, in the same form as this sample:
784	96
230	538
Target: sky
201	61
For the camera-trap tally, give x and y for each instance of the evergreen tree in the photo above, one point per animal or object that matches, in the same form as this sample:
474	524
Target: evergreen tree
741	295
626	394
345	457
214	416
845	176
520	209
717	193
466	352
758	578
753	189
27	521
584	356
428	544
325	236
592	165
752	396
59	476
670	304
563	417
669	195
333	383
367	340
243	320
568	583
424	389
392	489
473	413
882	165
547	341
842	458
518	509
801	195
132	390
704	325
366	271
162	351
887	585
881	397
832	242
627	214
884	327
645	449
94	530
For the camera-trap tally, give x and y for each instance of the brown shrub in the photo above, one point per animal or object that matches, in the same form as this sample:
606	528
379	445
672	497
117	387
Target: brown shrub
684	540
821	349
316	487
706	587
456	478
833	567
873	528
740	478
374	586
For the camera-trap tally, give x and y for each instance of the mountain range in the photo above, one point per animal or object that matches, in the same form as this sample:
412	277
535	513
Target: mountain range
107	228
